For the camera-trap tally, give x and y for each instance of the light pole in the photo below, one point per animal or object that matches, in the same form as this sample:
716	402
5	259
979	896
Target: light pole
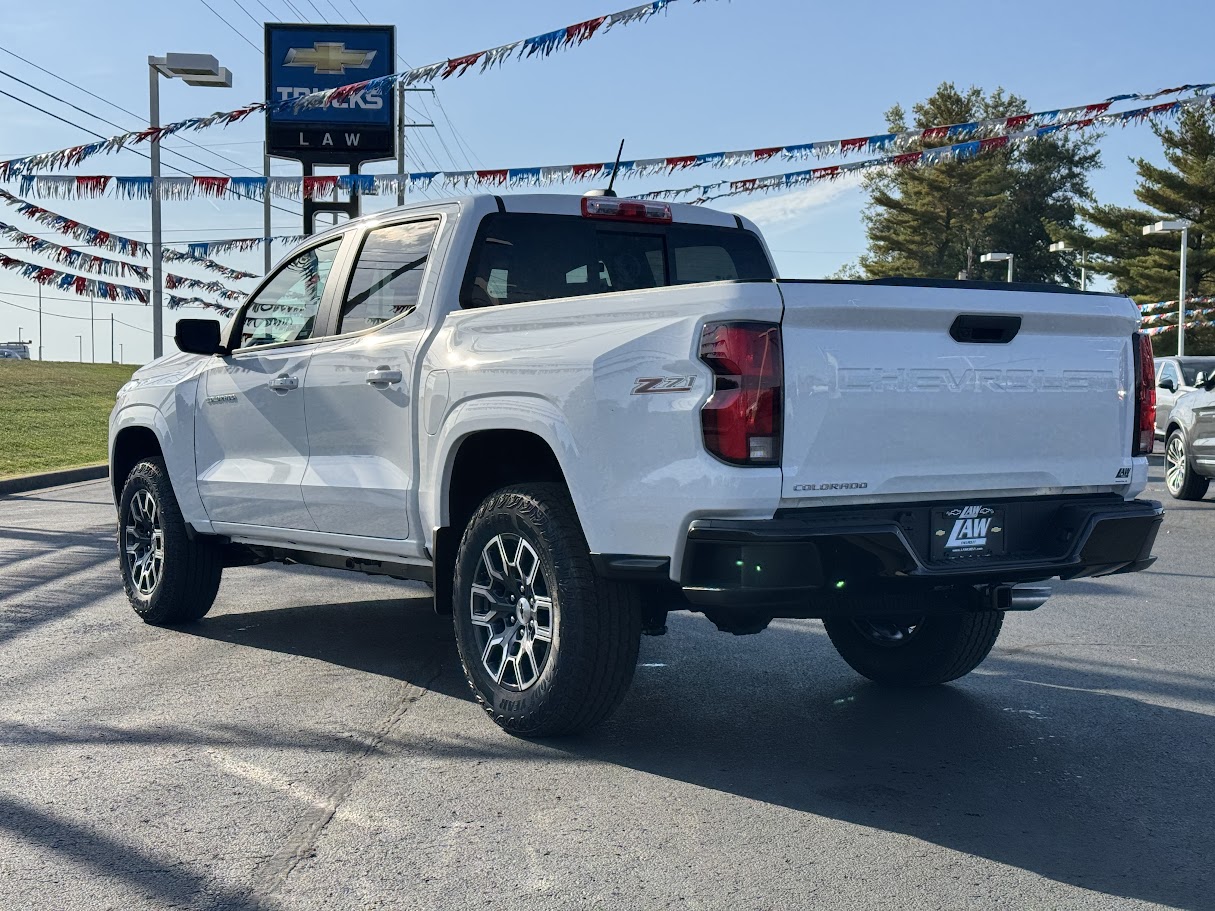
80	347
1062	246
121	358
194	69
999	258
1168	227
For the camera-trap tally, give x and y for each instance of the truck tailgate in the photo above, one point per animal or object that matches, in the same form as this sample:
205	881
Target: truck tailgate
881	399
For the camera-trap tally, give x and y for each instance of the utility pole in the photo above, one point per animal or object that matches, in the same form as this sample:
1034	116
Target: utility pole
401	127
121	357
266	232
112	361
92	331
40	322
80	347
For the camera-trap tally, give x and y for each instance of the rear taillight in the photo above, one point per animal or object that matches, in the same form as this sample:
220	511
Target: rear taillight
1145	396
742	419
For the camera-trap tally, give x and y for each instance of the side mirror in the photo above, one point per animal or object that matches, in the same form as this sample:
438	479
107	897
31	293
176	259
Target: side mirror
1200	379
1167	383
199	336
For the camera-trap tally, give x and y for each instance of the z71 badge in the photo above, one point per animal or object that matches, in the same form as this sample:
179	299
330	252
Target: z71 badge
647	384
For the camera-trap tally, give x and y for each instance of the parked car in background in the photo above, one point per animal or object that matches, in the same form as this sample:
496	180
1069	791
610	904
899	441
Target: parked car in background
1189	450
1175	377
14	351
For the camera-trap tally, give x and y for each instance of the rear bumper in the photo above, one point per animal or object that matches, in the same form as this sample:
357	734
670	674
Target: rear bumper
836	551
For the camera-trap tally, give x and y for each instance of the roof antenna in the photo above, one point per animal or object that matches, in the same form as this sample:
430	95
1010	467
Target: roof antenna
615	170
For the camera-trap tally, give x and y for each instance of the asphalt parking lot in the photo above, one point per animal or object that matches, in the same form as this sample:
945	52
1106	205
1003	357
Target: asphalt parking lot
311	744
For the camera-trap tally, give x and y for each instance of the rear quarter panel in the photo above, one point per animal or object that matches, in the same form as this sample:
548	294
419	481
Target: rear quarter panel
569	370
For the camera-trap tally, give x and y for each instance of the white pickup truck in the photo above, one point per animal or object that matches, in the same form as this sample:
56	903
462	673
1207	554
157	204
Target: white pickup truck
571	415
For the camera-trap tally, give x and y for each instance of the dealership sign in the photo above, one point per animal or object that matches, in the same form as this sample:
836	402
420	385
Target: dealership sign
301	59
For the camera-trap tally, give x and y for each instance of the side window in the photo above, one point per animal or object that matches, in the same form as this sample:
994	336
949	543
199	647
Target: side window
285	310
1169	370
388	274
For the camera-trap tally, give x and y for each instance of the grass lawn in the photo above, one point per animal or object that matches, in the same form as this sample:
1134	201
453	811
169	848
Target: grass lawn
54	415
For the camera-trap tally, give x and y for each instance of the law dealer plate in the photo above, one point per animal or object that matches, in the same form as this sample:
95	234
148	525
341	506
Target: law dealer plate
967	531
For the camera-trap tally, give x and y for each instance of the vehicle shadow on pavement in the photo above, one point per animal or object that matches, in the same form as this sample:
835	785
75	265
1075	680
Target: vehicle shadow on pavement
1023	764
401	638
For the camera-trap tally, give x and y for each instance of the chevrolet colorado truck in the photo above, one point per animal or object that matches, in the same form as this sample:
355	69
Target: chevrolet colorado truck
571	415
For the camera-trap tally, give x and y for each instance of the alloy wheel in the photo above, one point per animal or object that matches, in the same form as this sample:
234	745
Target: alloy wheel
1174	464
512	611
144	543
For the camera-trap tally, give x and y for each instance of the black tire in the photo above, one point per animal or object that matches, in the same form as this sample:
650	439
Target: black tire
190	569
938	649
579	676
1182	481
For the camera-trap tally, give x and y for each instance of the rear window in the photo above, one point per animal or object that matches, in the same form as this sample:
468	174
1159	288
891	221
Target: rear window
521	257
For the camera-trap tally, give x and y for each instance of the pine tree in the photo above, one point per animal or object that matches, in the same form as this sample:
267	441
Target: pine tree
936	222
1147	267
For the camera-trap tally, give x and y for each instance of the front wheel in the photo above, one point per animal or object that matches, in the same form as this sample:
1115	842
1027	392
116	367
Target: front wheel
547	646
169	577
915	652
1179	475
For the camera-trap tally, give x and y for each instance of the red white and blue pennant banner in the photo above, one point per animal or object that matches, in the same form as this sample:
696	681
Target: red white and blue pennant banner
77	259
66	281
928	157
1019	128
1169	308
536	46
126	246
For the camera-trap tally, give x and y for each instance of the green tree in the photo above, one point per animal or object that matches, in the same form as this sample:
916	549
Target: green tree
1147	267
936	222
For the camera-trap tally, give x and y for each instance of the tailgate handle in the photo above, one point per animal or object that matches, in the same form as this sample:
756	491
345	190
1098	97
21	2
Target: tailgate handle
984	329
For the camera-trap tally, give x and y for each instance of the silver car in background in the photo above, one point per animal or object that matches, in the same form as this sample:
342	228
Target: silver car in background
1175	376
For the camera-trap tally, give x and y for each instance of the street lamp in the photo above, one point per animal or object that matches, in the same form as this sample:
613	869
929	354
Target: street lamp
1062	246
194	69
999	258
1168	227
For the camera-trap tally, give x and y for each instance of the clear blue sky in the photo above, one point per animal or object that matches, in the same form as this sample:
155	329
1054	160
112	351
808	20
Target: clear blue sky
711	76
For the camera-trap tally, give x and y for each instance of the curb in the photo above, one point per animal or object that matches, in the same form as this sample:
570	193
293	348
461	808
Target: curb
27	482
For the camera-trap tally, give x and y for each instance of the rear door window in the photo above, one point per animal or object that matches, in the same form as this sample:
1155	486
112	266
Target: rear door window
520	257
388	274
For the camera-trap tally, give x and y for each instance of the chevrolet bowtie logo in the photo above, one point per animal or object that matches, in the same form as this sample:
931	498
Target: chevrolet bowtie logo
329	58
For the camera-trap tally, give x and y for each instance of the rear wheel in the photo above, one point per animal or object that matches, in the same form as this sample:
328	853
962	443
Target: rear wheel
547	646
1179	476
915	652
168	577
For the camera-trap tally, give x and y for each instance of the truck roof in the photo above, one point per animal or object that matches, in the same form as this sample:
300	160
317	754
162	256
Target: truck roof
540	203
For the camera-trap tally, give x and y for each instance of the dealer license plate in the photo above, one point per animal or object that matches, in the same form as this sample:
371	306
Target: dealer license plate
967	531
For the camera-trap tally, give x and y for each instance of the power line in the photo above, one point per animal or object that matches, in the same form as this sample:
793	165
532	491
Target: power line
136	151
231	26
298	15
247	13
336	12
319	14
359	11
128	112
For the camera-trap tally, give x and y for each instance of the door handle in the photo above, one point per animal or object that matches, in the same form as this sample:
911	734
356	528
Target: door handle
284	383
383	376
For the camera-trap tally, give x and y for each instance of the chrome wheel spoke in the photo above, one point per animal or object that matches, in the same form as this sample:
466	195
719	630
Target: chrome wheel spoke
512	613
144	543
